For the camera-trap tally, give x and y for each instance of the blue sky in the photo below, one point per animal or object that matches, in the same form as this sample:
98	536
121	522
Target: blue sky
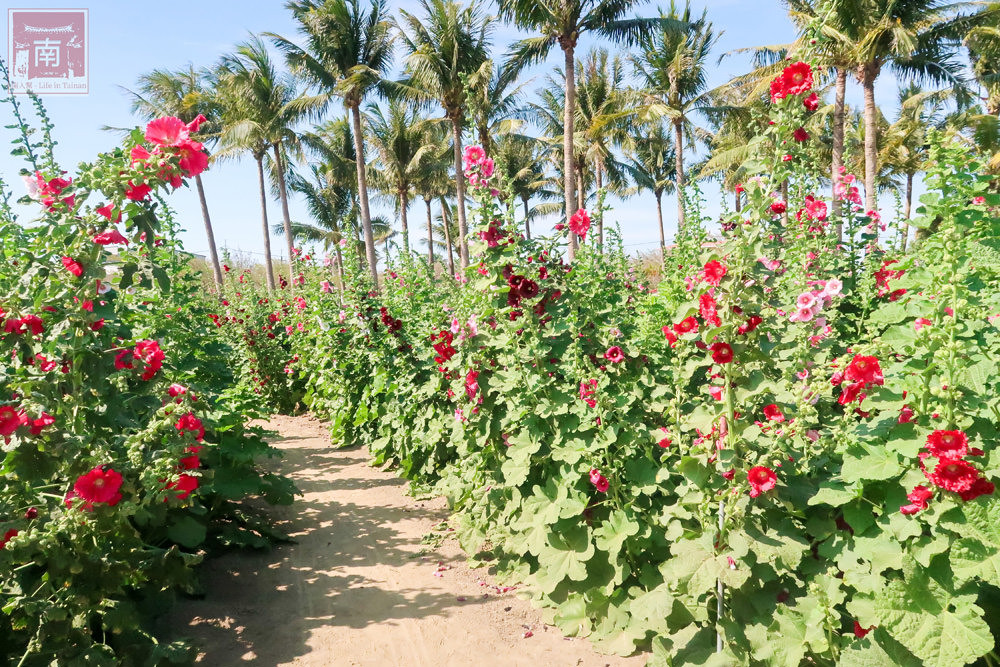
124	43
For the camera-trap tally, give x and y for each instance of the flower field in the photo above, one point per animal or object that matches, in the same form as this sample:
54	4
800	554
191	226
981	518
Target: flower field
778	448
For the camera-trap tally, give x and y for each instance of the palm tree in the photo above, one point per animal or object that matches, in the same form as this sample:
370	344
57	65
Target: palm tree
673	68
494	105
564	22
652	168
445	48
401	143
185	94
331	205
348	51
434	180
264	106
519	159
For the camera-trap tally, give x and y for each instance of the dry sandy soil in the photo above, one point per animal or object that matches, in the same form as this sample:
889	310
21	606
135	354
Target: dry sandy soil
358	587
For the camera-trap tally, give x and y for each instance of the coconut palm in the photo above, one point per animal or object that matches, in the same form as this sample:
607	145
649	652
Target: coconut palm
563	23
444	48
672	67
184	93
520	162
264	106
494	105
434	181
400	138
347	51
651	165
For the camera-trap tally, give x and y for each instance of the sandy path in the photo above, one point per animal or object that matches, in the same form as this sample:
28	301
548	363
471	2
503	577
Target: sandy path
355	589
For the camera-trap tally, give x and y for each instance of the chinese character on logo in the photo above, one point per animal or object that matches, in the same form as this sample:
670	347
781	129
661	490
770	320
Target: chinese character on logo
47	51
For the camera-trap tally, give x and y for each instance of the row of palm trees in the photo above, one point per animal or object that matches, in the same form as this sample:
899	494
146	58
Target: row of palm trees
593	130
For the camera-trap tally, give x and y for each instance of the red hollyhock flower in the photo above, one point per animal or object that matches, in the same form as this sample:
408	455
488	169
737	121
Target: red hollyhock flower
97	486
107	210
707	308
614	354
800	135
184	485
33	323
110	237
73	266
176	390
191	462
579	223
10	420
851	392
7	537
865	370
778	207
811	102
124	359
953	475
981	487
149	352
918	498
193	159
797	78
471	384
713	272
35	426
598	480
687	325
167	131
98	325
752	323
948	444
722	353
761	479
860	632
670	335
190	422
773	413
137	192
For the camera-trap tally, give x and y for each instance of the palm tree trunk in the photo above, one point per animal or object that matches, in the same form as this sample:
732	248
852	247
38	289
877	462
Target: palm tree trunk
463	247
599	213
784	198
663	237
340	268
738	202
286	219
906	209
679	168
212	252
404	203
838	144
447	236
581	193
568	129
366	220
268	266
527	225
871	139
430	236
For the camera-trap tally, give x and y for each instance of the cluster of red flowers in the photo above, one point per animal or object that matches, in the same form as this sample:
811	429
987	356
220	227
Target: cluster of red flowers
861	373
12	419
673	332
73	266
521	287
391	323
599	481
49	191
97	486
708	309
588	389
472	384
146	351
579	223
884	275
189	422
951	471
22	325
443	347
795	79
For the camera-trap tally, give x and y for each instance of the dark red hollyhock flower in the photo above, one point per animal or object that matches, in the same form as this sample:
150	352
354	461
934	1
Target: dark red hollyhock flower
722	353
948	444
860	632
713	272
981	487
761	479
97	486
614	354
73	266
773	413
800	135
492	235
527	289
778	207
752	323
729	474
918	498
811	102
865	370
953	475
687	325
7	537
97	325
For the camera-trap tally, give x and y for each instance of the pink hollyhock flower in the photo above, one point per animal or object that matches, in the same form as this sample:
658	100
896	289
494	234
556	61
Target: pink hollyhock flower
614	354
473	155
193	160
110	237
149	352
918	498
708	311
802	315
579	223
486	168
139	154
326	286
773	413
73	266
832	287
196	123
806	300
815	208
599	481
716	392
473	328
455	325
97	486
921	322
761	479
167	131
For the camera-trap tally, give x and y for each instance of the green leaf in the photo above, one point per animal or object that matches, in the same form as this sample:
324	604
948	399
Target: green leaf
833	494
878	649
187	531
572	618
878	463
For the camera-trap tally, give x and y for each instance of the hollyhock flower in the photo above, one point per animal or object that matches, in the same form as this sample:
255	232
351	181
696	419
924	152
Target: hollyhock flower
770	264
921	322
97	486
614	354
832	287
752	323
35	426
579	223
773	413
107	211
73	266
716	392
33	324
176	390
10	420
527	289
110	237
190	462
918	498
473	155
851	392
665	441
865	370
707	310
139	154
787	158
687	325
815	208
860	632
471	384
948	444
761	479
800	135
193	160
778	207
14	325
189	422
905	415
185	484
713	272
670	335
797	78
167	131
953	475
123	359
149	352
722	353
486	168
811	102
8	536
326	287
730	474
981	487
777	89
806	300
599	481
137	192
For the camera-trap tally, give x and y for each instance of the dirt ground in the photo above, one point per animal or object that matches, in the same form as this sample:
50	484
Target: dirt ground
358	587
